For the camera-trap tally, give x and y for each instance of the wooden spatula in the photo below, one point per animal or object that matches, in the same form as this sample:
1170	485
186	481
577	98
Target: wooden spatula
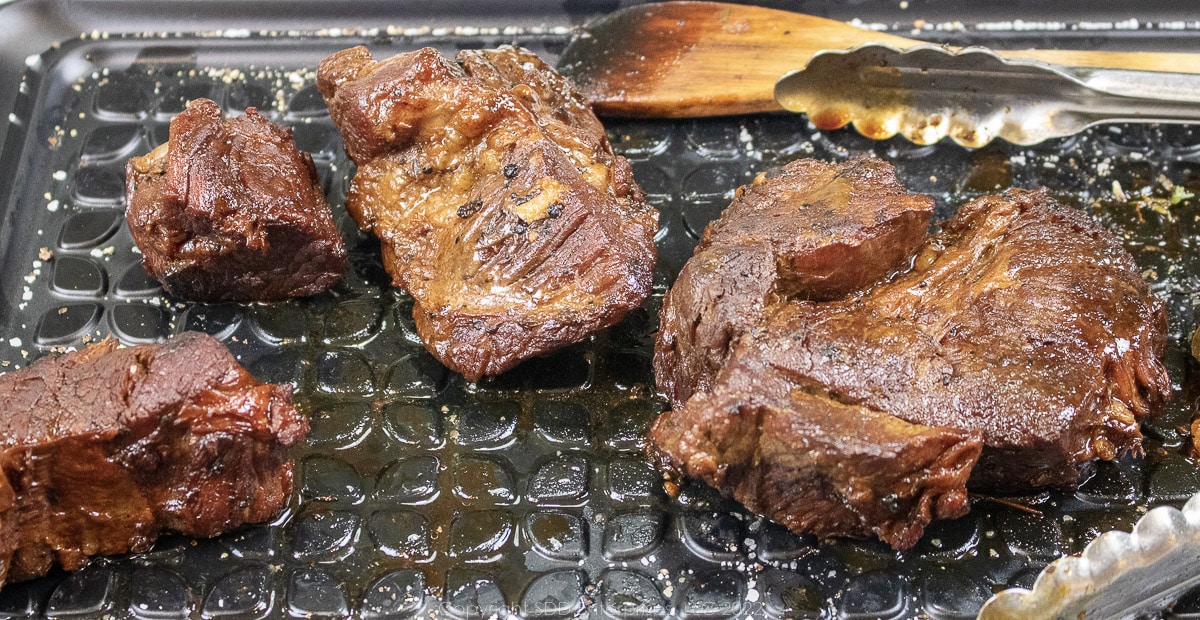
689	59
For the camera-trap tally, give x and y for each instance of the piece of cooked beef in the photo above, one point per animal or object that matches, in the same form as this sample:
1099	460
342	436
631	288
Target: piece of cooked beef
102	449
1023	328
231	210
500	205
813	231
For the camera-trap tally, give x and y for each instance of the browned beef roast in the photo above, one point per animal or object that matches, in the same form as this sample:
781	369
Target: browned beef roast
230	210
104	448
1023	328
499	203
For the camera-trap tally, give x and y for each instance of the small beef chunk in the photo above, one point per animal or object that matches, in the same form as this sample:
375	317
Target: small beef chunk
1005	354
500	205
103	449
230	210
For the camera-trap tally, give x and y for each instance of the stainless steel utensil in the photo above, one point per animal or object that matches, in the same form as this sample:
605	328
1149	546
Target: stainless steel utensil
973	95
1118	575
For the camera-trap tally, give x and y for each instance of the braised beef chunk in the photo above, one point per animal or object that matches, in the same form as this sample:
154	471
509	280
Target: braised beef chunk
1019	344
230	210
814	231
501	207
104	448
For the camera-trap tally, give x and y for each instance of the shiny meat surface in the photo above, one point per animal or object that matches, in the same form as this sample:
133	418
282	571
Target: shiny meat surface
813	231
498	201
231	210
104	448
1020	344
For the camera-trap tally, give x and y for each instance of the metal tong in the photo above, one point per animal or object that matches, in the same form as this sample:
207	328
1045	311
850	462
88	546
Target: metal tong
1119	575
973	95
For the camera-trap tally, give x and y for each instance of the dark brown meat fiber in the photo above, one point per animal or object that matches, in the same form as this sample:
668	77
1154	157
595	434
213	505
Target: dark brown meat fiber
1003	354
500	205
815	231
231	210
104	448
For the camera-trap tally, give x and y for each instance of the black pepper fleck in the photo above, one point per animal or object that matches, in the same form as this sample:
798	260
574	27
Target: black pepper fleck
468	209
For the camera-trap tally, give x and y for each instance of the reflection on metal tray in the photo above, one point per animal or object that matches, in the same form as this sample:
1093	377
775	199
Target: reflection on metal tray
420	494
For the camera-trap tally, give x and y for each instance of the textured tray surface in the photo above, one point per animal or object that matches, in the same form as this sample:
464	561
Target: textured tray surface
419	494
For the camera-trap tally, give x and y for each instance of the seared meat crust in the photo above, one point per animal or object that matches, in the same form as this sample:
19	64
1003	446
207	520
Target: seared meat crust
813	231
499	203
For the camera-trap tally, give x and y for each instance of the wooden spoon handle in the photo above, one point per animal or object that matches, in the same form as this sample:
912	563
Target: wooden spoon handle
1142	61
688	59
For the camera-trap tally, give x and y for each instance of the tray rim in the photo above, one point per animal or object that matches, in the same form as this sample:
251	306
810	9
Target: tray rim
15	142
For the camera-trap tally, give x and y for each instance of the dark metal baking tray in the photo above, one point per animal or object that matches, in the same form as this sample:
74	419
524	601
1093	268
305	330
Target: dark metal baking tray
421	495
